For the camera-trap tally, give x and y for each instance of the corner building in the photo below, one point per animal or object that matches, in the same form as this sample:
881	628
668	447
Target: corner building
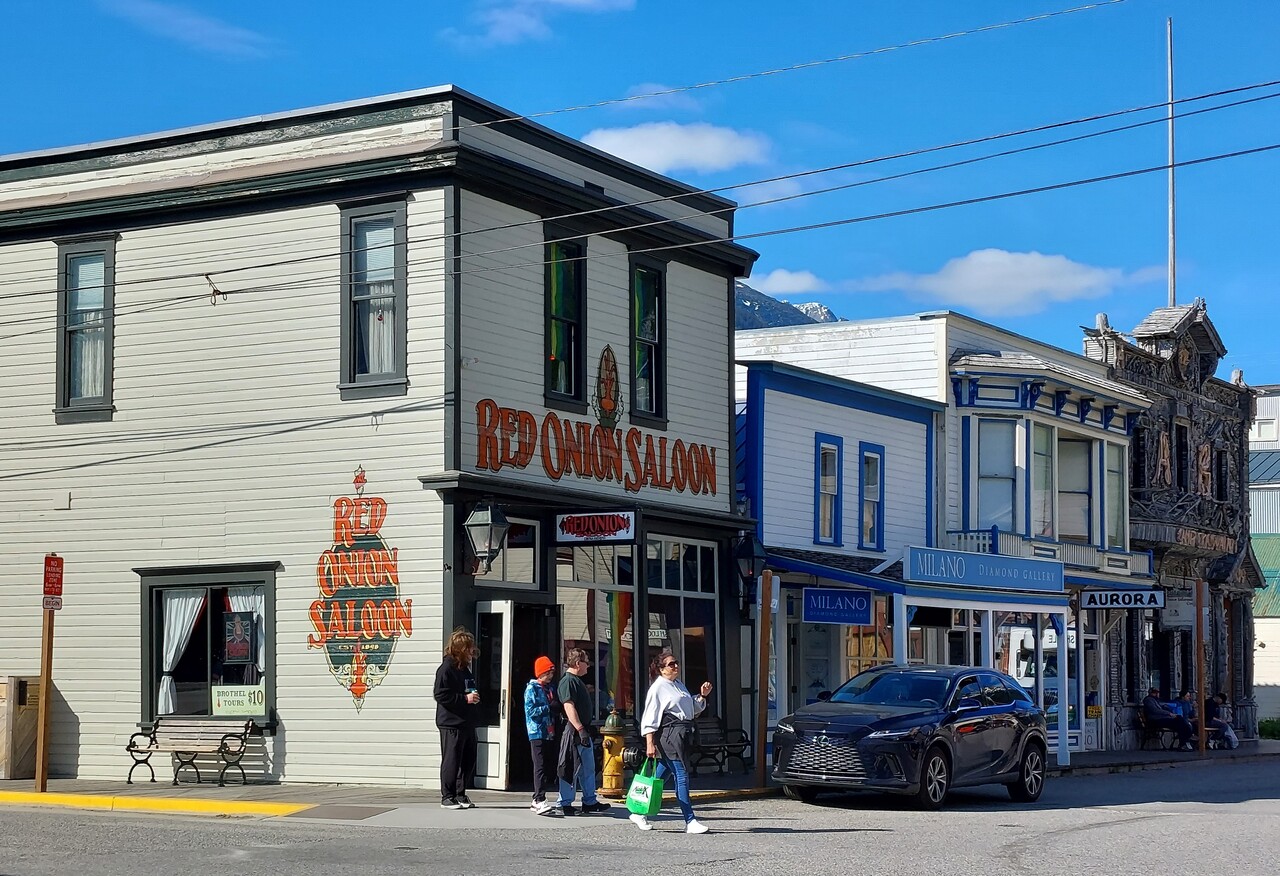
260	373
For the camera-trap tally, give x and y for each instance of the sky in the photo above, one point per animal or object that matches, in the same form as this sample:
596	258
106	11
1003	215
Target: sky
807	95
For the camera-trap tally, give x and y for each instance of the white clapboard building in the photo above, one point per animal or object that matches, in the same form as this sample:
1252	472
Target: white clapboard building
259	374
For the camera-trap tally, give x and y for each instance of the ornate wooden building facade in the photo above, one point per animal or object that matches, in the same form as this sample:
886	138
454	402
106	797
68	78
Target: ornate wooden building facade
1188	506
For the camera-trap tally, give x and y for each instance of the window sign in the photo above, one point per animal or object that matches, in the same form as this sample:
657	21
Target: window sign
832	605
238	637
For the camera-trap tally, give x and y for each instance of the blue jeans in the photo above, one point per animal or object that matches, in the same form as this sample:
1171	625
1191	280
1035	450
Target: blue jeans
676	768
586	778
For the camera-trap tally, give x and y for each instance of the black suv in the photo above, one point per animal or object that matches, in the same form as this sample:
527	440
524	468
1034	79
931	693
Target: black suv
917	730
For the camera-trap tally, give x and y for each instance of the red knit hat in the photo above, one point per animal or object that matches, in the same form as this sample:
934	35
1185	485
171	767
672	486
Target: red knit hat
541	665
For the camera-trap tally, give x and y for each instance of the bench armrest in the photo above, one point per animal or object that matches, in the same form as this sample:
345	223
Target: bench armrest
133	741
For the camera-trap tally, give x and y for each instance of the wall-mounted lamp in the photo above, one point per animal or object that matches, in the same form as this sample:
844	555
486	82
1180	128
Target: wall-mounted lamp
486	528
750	556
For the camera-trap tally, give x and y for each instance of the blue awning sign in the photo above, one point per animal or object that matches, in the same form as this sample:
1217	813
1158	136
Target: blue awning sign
833	605
992	571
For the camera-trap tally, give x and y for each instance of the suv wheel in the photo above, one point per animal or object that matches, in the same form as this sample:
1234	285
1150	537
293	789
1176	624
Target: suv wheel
803	793
935	779
1031	775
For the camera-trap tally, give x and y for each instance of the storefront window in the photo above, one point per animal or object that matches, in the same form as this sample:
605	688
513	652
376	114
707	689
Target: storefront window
682	580
597	602
870	646
206	647
1016	656
516	566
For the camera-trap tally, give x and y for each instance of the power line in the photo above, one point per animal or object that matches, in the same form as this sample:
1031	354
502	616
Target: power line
327	255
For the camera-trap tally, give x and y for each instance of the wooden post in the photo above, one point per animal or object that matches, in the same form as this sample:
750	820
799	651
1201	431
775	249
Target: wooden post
1199	655
42	711
762	716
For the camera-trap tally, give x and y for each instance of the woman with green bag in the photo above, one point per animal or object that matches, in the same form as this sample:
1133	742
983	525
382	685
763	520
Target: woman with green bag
667	726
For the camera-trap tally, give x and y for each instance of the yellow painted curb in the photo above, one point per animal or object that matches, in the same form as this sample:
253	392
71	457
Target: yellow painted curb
173	805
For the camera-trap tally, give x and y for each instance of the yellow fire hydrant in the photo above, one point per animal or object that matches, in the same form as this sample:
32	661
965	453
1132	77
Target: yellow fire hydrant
612	731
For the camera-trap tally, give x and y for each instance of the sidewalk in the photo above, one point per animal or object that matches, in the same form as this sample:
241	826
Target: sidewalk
420	807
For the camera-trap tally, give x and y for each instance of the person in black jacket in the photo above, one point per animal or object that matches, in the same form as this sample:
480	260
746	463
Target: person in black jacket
456	700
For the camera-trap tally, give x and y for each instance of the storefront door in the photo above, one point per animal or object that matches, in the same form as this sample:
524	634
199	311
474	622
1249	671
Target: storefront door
498	706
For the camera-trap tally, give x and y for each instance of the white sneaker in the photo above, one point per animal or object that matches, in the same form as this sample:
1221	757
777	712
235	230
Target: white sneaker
642	822
545	807
696	826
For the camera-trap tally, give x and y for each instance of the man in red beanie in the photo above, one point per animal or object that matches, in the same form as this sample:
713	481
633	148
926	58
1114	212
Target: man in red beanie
543	717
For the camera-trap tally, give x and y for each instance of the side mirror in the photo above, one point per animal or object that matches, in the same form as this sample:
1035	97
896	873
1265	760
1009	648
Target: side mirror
824	695
968	704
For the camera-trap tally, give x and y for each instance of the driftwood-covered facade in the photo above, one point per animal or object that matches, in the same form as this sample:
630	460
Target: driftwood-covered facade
1188	506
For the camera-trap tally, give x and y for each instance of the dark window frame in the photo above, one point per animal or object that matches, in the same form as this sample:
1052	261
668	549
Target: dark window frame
100	408
395	383
657	418
575	401
209	578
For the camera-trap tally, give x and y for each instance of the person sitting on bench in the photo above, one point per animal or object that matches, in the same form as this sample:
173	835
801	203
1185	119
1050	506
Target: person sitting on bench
1160	716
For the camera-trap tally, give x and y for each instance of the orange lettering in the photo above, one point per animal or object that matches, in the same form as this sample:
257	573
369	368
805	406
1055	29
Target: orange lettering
317	621
342	524
487	415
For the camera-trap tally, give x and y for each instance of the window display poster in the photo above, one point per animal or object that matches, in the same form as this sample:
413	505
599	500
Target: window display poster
248	699
239	637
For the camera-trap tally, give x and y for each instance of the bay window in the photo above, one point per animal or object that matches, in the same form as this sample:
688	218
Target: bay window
1042	478
1075	502
1117	499
997	474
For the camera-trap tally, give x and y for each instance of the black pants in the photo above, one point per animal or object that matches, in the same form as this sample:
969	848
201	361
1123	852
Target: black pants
1177	724
457	760
546	754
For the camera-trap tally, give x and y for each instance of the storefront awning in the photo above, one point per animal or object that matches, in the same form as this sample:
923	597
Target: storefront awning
856	572
1113	583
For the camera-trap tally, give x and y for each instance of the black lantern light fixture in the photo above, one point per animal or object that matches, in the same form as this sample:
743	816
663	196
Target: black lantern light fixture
750	556
487	530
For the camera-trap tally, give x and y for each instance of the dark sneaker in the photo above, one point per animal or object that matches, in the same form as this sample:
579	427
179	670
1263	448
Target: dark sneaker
451	803
465	802
598	806
569	810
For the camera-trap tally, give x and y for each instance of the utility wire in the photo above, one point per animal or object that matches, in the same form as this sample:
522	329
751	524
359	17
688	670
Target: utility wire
328	254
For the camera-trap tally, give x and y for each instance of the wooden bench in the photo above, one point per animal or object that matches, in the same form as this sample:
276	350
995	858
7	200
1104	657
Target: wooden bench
718	745
187	737
1149	733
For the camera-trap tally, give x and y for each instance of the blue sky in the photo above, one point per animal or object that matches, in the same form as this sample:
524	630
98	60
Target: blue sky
1041	264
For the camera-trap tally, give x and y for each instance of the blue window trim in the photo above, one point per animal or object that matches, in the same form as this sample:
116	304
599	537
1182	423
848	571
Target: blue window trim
966	471
866	449
820	440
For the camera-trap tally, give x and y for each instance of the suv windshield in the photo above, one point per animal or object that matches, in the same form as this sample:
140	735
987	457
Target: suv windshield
903	689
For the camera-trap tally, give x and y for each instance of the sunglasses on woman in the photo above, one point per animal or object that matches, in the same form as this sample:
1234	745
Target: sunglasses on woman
670	663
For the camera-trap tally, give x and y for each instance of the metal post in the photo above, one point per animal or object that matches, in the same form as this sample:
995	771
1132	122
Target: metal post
762	690
988	642
1064	696
901	631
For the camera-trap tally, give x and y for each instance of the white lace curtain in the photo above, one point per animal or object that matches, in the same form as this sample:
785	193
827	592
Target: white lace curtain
373	291
252	599
182	609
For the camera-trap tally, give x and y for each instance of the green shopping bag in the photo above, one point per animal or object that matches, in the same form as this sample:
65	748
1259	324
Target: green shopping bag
645	795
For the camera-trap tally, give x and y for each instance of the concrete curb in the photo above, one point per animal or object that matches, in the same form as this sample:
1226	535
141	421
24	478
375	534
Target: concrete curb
1116	768
169	805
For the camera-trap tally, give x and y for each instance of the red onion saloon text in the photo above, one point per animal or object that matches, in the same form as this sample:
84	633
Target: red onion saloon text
515	438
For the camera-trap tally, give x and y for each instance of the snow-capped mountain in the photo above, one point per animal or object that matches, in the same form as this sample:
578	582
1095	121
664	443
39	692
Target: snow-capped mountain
817	312
758	310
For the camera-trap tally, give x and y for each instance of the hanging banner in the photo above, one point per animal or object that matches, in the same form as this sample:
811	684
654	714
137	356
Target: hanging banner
833	605
1122	599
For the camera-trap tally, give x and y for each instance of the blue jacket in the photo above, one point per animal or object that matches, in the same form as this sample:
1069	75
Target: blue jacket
542	710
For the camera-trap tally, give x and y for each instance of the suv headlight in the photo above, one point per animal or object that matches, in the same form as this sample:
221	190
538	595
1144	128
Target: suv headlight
784	728
893	734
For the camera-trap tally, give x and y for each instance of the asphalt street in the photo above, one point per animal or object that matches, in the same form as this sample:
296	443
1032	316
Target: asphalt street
1219	819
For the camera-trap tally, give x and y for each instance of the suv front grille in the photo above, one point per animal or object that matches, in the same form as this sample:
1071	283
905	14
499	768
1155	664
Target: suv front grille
833	758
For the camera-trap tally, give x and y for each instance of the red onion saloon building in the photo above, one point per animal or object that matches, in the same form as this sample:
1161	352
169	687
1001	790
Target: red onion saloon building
296	395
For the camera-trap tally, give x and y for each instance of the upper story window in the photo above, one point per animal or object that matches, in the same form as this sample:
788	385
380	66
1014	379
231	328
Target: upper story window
1075	500
566	313
1182	456
1042	485
1221	475
997	474
1264	430
828	466
1117	499
86	330
871	497
375	292
648	348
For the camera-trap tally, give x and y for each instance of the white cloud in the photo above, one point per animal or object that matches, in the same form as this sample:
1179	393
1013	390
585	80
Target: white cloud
183	25
783	282
679	101
507	22
995	282
668	146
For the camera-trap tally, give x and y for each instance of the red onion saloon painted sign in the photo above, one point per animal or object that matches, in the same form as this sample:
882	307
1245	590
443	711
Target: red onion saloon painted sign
360	615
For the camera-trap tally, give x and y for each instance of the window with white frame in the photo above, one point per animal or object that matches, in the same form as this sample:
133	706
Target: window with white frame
997	474
871	497
1264	429
827	489
1075	500
1117	498
517	563
1042	478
